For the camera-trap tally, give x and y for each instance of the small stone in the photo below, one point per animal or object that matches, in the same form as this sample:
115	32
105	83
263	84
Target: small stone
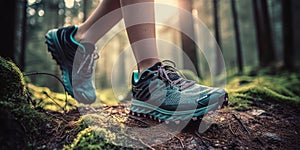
222	119
177	122
193	142
256	112
272	136
192	146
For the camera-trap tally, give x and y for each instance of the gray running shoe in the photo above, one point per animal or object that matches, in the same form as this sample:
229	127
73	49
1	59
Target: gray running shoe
160	93
76	75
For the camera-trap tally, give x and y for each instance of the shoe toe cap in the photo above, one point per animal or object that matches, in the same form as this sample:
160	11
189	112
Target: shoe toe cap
85	96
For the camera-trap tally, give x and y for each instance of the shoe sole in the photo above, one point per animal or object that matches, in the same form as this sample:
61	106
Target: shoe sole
142	109
57	54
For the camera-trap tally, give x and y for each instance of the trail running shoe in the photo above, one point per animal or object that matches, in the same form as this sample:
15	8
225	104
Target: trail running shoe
160	93
76	61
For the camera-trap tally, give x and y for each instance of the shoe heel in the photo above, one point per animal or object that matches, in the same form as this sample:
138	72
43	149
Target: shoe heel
51	44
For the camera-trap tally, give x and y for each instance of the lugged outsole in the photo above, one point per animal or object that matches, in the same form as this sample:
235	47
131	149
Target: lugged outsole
176	119
52	48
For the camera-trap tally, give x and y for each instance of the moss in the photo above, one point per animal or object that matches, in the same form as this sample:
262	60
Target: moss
12	81
17	115
49	100
94	138
101	131
243	90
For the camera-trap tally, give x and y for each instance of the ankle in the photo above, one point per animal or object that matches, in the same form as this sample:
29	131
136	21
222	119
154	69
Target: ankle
79	34
146	64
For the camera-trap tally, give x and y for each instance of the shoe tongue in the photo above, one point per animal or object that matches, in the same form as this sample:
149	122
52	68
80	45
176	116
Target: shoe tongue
172	75
145	73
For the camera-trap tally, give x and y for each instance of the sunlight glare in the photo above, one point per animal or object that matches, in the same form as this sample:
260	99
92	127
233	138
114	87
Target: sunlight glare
41	13
69	3
31	11
30	2
195	12
166	14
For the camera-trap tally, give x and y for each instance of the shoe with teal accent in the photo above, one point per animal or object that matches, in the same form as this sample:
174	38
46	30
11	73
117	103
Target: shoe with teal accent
162	94
76	61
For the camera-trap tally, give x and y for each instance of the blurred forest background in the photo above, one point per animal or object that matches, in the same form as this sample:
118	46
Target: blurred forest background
251	33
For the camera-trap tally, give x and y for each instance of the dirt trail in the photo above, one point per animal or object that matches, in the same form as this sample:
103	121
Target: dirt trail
265	125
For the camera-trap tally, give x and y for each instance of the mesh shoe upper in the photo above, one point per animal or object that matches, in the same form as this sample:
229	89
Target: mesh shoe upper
64	49
162	86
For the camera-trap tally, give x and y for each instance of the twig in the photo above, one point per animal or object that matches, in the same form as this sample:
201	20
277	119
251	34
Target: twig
29	99
207	139
231	130
62	108
181	143
134	118
205	144
240	121
147	145
49	74
57	117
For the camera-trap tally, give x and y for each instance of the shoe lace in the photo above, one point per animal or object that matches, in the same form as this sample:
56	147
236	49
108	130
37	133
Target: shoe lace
164	71
90	59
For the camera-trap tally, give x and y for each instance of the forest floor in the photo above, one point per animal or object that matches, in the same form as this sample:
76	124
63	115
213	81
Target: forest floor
265	125
263	113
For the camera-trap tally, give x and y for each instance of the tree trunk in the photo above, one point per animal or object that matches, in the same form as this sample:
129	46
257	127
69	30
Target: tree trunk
85	9
263	33
217	36
24	36
188	45
216	21
237	36
287	25
8	14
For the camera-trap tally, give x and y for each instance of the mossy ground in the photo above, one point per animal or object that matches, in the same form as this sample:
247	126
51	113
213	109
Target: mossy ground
31	123
243	90
21	123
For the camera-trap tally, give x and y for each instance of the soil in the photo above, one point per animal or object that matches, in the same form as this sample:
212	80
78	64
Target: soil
265	125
